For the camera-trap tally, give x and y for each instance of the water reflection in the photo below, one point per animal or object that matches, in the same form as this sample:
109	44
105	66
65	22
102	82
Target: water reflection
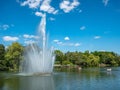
86	79
27	83
37	83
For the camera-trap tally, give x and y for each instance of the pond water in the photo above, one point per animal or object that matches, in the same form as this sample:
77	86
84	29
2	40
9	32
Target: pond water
86	79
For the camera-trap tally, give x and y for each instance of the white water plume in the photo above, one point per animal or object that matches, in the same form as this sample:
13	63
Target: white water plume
38	60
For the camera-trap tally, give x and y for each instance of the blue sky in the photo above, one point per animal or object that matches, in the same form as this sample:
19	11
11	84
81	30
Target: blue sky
72	25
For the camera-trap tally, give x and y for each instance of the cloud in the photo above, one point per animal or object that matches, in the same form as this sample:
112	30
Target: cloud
97	37
56	40
29	41
66	38
67	6
77	44
46	7
52	19
10	38
30	36
60	43
31	3
4	27
39	14
82	28
105	2
70	44
41	5
66	44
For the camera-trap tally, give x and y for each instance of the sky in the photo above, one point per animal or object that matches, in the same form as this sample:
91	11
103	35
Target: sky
71	25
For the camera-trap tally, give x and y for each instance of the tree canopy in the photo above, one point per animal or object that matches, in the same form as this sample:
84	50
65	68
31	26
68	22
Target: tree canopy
2	56
88	59
11	56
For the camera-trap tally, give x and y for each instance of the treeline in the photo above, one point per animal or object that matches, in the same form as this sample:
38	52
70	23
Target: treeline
88	59
11	57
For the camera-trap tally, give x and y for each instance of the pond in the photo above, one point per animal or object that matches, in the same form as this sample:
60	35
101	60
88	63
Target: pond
85	79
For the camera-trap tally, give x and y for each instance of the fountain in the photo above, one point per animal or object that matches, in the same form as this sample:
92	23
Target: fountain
38	59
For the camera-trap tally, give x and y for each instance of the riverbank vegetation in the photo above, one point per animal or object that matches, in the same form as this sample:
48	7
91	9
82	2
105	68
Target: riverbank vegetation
88	59
11	56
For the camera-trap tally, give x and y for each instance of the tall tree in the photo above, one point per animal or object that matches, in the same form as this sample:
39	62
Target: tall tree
14	55
2	58
59	56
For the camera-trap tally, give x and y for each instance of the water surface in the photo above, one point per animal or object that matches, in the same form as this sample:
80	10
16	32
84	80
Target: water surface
86	79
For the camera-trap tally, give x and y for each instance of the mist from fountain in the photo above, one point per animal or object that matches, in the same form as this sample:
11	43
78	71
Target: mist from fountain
38	59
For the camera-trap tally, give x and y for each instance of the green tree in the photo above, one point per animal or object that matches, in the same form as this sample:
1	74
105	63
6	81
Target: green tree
13	56
2	57
92	60
107	58
59	57
88	59
117	60
83	60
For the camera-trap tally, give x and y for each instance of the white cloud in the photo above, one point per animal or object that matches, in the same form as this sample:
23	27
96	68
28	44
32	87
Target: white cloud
26	36
105	2
60	43
66	44
38	14
4	27
10	38
52	19
66	38
97	37
46	7
77	44
30	36
31	3
67	6
70	44
42	5
56	40
82	28
29	42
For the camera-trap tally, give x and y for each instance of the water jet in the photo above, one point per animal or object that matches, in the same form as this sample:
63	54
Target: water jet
38	58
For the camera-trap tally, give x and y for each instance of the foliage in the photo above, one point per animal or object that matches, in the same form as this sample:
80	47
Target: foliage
88	59
10	58
2	57
59	56
13	56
